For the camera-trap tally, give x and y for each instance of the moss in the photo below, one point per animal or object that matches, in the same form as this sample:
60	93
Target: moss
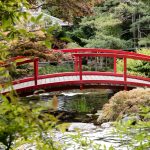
124	102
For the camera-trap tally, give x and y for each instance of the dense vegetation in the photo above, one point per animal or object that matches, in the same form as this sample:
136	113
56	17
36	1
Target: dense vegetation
115	24
105	24
18	123
136	67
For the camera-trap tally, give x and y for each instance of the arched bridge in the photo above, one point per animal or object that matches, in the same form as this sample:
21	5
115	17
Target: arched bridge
84	79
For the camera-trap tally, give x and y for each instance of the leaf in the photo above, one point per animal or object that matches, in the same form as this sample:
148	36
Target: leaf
39	17
48	44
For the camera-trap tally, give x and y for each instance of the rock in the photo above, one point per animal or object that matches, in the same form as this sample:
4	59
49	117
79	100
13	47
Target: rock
81	126
106	125
99	112
37	92
101	119
89	115
133	119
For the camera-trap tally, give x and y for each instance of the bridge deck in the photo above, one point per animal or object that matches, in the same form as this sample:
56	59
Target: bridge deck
101	79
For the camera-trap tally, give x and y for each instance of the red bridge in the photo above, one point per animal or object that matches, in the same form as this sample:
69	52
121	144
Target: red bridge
84	79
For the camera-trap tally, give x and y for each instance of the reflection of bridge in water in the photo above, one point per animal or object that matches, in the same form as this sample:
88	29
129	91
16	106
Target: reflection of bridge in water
84	79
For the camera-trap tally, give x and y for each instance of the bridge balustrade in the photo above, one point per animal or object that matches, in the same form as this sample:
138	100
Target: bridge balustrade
79	54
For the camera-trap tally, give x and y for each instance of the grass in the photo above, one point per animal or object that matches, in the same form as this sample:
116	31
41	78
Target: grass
80	105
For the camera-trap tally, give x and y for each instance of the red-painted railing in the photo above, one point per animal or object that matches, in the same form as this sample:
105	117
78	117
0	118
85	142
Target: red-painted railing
89	52
24	60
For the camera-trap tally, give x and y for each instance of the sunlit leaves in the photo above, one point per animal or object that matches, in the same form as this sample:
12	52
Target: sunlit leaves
136	67
137	134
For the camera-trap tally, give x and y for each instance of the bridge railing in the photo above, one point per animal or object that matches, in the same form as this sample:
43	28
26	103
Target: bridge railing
113	54
24	60
79	54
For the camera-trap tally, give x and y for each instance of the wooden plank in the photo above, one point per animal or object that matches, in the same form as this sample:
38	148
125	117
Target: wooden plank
56	79
70	78
61	79
85	77
48	80
76	78
88	77
52	80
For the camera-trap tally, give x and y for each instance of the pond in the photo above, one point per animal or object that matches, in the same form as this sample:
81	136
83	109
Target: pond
76	105
86	101
79	130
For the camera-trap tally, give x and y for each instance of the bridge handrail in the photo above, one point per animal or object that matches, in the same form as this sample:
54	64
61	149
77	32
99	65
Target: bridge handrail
99	50
118	55
79	53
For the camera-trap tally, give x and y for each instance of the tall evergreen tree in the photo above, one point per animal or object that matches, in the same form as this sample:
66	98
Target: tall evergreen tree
115	24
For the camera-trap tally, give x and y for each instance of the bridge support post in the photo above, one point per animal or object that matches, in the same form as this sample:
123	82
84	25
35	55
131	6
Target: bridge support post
76	64
125	73
115	64
80	73
35	70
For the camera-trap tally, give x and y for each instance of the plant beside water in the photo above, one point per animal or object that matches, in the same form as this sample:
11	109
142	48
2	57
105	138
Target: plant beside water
88	102
124	102
85	143
80	105
138	134
21	124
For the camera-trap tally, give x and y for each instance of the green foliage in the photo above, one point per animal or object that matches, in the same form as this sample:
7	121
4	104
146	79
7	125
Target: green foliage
48	69
86	144
145	41
135	19
80	105
136	67
73	45
139	133
102	29
20	123
115	24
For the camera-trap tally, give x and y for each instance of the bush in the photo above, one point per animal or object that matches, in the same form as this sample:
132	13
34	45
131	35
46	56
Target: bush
136	67
124	102
48	69
21	124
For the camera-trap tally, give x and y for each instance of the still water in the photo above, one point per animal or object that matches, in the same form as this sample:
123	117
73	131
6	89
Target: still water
87	101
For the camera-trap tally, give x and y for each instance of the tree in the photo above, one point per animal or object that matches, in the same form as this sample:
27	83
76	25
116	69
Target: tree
18	121
67	9
135	19
103	28
115	24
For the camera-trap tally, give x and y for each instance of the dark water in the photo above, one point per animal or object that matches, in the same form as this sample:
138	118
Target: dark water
85	101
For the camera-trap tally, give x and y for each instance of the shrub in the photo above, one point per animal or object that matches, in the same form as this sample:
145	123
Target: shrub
136	67
124	102
21	124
